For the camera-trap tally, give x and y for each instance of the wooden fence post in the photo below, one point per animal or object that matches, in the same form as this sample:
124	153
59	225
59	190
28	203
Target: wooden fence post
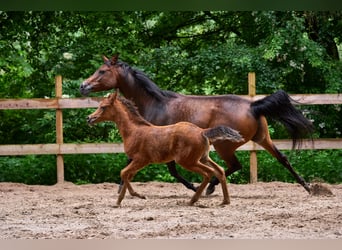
253	170
59	130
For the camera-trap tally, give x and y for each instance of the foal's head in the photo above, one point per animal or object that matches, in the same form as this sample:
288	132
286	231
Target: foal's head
115	108
105	77
105	111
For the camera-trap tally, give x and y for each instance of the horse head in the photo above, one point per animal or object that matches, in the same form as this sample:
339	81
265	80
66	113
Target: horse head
104	112
106	77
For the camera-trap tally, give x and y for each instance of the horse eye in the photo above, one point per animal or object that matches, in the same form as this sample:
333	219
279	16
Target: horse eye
102	108
102	72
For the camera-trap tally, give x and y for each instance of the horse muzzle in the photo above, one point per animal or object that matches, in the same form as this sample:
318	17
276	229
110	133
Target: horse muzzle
91	120
85	88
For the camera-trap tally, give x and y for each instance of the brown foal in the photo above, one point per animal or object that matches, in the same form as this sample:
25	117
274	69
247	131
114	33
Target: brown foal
145	143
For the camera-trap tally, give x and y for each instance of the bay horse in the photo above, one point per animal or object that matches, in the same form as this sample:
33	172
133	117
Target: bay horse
145	143
162	107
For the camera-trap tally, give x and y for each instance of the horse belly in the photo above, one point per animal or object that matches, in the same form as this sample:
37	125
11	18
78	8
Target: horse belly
177	142
189	144
153	146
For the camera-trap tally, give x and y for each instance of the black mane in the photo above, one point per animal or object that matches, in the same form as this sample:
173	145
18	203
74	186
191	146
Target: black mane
145	83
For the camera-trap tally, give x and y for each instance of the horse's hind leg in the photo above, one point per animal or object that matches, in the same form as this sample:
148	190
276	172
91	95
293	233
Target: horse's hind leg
227	154
263	139
272	149
173	171
220	175
206	173
200	189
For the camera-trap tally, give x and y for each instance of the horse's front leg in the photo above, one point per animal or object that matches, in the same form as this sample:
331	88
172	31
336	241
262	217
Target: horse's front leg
121	182
126	185
127	175
121	195
132	192
173	171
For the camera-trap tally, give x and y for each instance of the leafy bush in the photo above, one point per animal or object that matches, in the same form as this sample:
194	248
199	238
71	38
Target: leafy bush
325	165
29	169
94	168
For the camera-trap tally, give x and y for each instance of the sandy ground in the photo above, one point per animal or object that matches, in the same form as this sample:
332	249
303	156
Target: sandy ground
257	211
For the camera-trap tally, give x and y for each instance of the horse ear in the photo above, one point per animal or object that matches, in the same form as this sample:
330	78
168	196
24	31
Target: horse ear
114	59
113	96
105	59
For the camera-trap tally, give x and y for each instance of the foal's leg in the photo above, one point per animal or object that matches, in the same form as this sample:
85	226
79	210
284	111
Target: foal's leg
203	170
126	175
121	194
121	182
220	175
226	152
173	171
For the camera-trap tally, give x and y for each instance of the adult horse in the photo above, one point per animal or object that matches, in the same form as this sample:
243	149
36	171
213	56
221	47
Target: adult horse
162	107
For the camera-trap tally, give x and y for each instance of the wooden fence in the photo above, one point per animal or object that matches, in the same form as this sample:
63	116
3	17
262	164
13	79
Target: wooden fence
60	148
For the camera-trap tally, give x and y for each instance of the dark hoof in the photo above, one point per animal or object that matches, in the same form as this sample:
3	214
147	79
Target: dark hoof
307	187
193	188
210	190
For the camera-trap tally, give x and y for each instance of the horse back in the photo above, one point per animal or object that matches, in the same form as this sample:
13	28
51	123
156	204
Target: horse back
210	111
159	144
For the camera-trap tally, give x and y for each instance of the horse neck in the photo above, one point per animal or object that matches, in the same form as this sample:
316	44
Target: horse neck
125	121
132	91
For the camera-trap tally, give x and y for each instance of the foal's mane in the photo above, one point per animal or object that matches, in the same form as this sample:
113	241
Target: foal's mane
143	82
132	109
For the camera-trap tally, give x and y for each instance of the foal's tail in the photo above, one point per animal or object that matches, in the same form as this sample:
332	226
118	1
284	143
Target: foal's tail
279	106
222	133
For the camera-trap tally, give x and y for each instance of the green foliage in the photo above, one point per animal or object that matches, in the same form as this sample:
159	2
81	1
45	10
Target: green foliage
29	169
94	168
324	165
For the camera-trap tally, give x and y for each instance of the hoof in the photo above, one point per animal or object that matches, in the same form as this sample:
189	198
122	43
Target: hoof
210	190
224	203
139	196
193	188
308	187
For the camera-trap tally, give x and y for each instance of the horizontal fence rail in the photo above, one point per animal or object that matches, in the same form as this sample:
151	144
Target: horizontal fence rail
100	148
59	148
92	102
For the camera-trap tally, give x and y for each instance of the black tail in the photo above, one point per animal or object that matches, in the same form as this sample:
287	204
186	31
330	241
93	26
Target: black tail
222	133
279	106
